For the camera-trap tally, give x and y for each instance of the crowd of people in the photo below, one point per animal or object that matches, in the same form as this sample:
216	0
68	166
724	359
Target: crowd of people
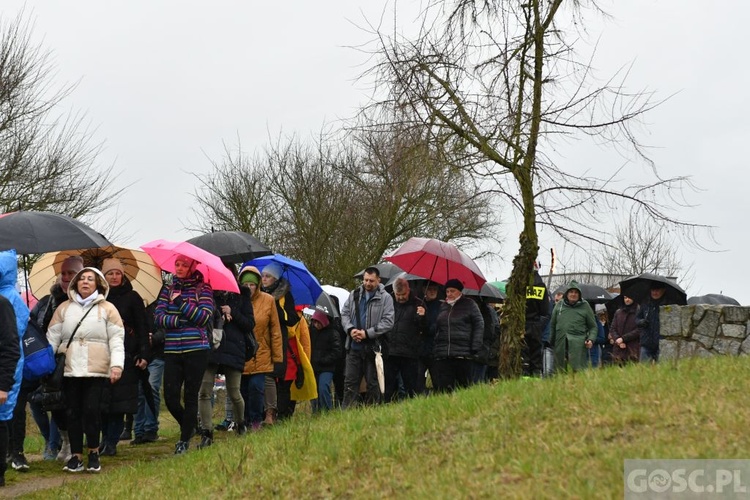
381	345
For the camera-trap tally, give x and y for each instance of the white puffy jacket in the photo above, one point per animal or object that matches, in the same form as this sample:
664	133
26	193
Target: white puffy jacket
98	344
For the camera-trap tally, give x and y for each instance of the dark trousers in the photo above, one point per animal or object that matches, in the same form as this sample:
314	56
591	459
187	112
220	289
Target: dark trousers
338	382
112	426
360	363
17	428
284	404
3	447
84	399
531	353
452	373
183	375
408	369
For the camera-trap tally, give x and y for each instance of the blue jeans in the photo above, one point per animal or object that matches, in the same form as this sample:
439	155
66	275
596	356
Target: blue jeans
478	372
252	389
47	426
648	354
146	420
324	401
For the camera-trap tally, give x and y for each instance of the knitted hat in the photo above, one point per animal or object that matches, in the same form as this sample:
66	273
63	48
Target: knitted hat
249	277
112	265
321	318
274	269
454	283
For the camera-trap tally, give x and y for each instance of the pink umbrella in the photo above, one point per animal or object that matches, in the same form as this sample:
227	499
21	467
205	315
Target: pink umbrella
437	261
214	273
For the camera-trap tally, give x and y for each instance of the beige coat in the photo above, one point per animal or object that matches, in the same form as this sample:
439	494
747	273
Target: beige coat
97	346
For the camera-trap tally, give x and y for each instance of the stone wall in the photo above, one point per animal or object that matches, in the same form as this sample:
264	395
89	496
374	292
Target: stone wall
704	330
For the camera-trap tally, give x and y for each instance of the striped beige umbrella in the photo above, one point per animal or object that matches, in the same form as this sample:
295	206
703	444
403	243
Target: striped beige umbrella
143	273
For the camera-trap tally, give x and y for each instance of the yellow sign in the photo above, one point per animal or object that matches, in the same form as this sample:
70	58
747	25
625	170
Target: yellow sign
535	292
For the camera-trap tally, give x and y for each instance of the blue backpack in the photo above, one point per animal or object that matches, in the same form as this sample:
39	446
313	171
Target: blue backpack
39	358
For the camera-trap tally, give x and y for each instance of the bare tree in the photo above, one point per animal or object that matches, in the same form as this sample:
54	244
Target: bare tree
642	246
341	202
47	160
500	81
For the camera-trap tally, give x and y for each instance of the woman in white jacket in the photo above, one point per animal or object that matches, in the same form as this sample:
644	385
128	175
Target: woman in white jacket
95	358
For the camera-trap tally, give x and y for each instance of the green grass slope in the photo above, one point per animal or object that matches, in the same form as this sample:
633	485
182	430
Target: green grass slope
564	437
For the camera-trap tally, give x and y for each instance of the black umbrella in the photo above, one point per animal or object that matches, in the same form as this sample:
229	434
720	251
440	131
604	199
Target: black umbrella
231	246
327	305
593	294
488	293
31	232
638	288
713	298
387	271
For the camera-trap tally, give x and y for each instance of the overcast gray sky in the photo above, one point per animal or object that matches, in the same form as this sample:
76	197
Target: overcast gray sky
165	82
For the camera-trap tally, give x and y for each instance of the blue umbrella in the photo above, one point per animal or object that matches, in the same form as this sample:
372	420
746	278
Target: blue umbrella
305	286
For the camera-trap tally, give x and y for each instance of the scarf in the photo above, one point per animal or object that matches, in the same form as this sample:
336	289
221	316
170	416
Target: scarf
88	300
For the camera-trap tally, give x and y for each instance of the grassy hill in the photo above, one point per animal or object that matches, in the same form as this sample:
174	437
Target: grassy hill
557	438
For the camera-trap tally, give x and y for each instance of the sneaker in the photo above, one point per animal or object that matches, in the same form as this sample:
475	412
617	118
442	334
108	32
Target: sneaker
74	465
94	465
50	453
225	425
207	439
19	462
138	440
108	450
181	447
241	429
150	436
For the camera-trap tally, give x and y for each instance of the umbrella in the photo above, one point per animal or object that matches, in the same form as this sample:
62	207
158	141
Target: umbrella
638	287
406	276
500	285
325	303
143	273
39	232
593	294
232	246
305	286
488	293
713	298
341	293
437	261
214	273
387	271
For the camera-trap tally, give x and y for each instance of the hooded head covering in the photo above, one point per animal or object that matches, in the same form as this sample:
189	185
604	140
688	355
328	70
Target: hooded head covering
101	282
573	285
112	265
274	269
250	274
321	318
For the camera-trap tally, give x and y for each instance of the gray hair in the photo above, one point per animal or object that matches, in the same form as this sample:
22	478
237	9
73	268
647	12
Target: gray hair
401	286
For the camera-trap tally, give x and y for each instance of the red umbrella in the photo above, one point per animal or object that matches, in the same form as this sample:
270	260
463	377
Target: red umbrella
214	273
437	261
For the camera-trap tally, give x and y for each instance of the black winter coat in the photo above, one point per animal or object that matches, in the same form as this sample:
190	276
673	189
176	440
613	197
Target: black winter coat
427	346
43	310
10	348
405	338
231	351
460	329
647	321
326	348
123	395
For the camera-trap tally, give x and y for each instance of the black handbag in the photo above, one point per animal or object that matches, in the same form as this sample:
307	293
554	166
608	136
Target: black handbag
50	392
